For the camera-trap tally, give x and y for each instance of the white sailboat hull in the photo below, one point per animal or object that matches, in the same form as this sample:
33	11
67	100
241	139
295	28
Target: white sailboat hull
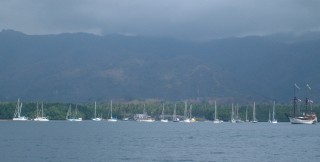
78	119
146	120
302	120
112	120
21	118
217	121
164	120
41	119
97	119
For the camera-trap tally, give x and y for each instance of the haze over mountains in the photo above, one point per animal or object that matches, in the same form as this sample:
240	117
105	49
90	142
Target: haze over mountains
83	67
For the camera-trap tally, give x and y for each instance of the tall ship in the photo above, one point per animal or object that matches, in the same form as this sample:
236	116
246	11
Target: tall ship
306	117
17	113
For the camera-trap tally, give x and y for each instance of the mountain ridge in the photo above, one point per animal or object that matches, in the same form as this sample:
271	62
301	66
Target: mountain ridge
82	67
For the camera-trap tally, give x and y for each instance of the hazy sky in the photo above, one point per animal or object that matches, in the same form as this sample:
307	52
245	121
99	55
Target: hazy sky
191	19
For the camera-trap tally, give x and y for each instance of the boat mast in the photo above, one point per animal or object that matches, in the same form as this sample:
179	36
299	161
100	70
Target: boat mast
42	109
111	110
162	114
294	99
254	111
273	110
174	117
95	109
247	113
307	100
185	110
215	110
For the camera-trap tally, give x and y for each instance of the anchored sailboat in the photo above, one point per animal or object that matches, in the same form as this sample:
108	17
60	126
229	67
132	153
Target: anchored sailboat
73	116
216	120
111	119
162	115
40	118
174	116
95	113
254	119
17	114
274	120
232	120
305	117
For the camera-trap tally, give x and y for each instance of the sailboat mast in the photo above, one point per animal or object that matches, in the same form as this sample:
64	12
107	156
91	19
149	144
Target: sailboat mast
294	100
273	110
174	117
95	109
185	109
247	113
254	111
215	110
42	109
111	109
162	114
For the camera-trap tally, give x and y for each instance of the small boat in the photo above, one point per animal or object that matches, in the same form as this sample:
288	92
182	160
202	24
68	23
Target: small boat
144	117
17	114
174	116
238	119
112	119
216	120
40	118
188	115
232	120
73	116
162	116
247	120
306	117
95	113
254	119
274	120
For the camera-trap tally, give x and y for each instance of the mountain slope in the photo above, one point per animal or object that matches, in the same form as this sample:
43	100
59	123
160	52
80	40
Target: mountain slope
84	67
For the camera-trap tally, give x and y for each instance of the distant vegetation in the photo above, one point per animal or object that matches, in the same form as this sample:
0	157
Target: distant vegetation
202	111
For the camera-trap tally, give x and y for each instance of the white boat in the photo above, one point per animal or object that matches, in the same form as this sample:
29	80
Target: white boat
162	116
247	120
186	114
95	113
232	120
125	119
73	116
305	117
238	119
112	119
40	118
274	120
254	119
216	120
174	116
17	113
144	117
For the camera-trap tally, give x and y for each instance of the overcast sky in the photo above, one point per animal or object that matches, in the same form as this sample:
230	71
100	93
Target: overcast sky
191	19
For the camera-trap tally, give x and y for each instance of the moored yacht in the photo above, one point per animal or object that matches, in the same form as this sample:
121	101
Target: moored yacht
17	114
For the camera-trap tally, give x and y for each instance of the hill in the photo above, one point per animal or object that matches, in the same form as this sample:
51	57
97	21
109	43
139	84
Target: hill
83	67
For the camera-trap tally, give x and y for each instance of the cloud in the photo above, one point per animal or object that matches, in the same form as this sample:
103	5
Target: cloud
190	19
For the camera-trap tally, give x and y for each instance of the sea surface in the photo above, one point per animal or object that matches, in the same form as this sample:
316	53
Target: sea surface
90	141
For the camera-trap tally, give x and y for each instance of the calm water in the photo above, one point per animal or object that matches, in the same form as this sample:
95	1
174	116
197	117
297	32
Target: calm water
133	141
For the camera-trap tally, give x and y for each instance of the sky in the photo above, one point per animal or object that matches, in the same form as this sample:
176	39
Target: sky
183	19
